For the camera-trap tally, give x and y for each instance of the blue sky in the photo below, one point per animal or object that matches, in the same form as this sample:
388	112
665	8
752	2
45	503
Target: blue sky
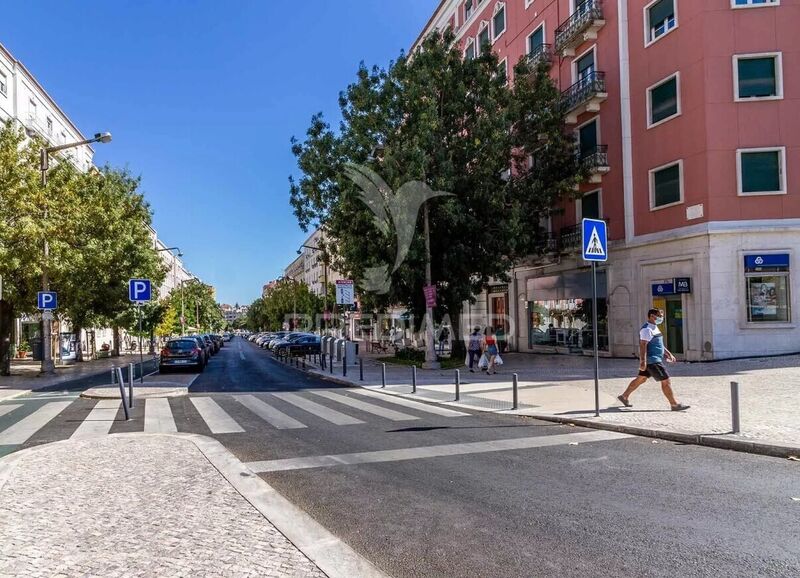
202	98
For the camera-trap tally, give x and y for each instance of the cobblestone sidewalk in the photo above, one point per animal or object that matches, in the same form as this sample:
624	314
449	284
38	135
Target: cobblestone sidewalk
134	506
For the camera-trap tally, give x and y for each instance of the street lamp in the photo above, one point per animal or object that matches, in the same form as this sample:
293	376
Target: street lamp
48	366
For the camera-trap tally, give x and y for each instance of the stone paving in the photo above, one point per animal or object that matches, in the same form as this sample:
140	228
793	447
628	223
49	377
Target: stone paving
564	386
134	506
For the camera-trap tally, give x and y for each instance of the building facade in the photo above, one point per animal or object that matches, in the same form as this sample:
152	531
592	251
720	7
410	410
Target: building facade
686	113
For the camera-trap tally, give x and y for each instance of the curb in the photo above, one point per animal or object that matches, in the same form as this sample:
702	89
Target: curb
329	553
708	440
141	393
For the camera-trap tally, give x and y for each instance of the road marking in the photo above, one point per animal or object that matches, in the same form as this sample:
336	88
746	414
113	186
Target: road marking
268	413
434	409
216	418
433	451
158	416
318	410
99	420
364	406
241	355
4	409
21	431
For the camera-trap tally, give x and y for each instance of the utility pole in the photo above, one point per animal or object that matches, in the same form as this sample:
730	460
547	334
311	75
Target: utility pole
430	348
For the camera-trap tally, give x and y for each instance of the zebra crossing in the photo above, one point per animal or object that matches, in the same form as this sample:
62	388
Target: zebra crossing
217	412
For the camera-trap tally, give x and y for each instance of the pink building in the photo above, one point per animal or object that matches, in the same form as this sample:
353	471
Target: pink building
688	113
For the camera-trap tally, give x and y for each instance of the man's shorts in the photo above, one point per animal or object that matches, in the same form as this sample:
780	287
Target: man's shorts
655	370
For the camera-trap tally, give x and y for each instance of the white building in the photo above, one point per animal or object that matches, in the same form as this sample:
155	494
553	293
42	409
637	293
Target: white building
177	273
312	260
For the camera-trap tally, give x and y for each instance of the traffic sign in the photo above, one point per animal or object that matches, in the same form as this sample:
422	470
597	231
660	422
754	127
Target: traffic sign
139	290
345	291
594	240
47	300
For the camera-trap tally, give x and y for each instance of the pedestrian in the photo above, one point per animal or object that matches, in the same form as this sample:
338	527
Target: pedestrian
501	339
491	350
652	355
444	335
474	348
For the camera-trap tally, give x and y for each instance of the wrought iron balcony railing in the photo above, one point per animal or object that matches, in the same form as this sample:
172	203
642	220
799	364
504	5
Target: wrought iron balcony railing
591	85
539	54
595	157
588	14
570	238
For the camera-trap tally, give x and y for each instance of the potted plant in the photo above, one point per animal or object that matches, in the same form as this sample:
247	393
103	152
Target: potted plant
23	349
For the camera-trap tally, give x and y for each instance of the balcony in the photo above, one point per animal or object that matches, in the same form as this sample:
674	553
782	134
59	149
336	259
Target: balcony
539	54
584	96
569	238
595	159
581	26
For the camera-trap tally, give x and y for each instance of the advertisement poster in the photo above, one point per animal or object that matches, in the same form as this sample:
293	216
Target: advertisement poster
763	299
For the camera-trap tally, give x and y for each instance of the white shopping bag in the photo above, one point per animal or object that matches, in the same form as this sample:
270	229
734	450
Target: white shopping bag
498	360
483	362
466	361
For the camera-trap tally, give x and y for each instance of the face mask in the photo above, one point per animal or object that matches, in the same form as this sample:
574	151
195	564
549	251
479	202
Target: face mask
659	320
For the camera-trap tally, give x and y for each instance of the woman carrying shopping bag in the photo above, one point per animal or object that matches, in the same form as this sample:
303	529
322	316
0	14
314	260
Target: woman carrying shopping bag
491	350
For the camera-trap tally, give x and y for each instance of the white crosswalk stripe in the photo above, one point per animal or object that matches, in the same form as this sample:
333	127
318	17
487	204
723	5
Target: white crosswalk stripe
419	406
158	416
318	410
366	407
4	409
21	431
216	418
99	420
268	413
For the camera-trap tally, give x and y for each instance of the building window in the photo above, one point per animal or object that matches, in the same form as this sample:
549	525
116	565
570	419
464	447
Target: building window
590	205
585	66
767	287
483	38
502	70
469	8
32	109
499	21
469	53
49	126
536	41
588	139
757	76
761	171
666	185
754	3
663	101
3	85
659	18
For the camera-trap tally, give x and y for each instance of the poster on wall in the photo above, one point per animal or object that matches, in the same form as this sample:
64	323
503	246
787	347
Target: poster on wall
763	298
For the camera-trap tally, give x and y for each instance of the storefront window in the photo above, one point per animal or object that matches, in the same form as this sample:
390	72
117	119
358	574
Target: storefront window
767	286
560	314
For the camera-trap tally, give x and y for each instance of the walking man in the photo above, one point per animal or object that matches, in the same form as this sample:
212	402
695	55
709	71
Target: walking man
652	354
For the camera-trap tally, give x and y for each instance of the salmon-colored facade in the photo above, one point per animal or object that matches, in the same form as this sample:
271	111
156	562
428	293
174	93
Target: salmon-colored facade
688	111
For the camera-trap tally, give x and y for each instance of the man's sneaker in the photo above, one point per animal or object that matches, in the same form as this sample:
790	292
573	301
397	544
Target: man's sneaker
624	401
680	407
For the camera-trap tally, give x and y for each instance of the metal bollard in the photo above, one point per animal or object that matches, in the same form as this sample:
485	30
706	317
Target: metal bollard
304	362
360	369
344	365
383	375
735	407
322	361
121	383
330	364
514	392
413	379
130	385
458	385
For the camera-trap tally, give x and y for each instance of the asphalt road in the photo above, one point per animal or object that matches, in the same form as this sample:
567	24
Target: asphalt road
433	495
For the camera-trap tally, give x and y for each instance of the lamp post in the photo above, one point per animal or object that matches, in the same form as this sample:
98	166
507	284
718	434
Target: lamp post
48	366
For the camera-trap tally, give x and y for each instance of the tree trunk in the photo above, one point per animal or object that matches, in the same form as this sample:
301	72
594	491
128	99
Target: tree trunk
116	339
6	326
459	350
76	331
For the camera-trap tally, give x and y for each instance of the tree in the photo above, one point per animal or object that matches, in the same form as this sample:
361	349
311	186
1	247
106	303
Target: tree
287	300
196	300
455	126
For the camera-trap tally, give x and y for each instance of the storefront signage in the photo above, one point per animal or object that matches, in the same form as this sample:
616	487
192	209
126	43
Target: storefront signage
683	285
663	288
756	262
498	288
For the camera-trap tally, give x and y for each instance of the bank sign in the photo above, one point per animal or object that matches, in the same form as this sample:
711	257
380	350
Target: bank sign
674	286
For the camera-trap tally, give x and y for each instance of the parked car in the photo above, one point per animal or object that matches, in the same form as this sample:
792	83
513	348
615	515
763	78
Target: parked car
179	353
286	338
296	346
211	347
201	343
214	344
219	341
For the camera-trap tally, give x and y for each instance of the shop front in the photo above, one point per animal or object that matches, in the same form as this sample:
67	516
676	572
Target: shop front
560	311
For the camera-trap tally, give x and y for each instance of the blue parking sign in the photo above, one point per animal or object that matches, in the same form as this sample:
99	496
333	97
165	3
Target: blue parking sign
139	290
594	240
47	300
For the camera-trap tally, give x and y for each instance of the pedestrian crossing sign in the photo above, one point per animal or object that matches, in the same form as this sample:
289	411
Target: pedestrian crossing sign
595	242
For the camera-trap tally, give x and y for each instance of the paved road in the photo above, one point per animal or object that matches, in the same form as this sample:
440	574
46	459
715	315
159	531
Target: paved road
426	491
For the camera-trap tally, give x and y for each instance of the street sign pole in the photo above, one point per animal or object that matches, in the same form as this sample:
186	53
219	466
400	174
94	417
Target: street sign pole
141	354
594	340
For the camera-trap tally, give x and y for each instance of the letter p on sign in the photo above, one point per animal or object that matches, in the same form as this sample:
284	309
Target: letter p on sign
139	290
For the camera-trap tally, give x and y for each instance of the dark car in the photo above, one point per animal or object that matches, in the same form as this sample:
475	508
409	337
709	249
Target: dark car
179	353
212	343
298	345
220	341
201	343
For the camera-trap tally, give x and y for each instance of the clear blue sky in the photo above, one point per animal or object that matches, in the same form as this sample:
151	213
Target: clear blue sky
202	98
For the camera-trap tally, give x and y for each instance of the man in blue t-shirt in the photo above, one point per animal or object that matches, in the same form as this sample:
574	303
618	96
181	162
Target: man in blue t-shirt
652	355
